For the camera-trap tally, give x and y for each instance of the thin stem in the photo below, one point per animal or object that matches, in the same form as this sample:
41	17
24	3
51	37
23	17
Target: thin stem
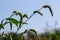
25	21
39	9
28	19
11	15
5	18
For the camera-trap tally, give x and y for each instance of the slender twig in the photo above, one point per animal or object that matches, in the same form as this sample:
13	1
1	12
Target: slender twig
25	21
11	15
39	9
28	19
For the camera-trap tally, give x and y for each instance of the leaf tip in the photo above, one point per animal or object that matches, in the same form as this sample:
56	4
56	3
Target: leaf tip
14	11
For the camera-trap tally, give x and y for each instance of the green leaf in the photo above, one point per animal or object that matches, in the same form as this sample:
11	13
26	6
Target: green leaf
38	12
14	11
33	31
1	26
10	26
9	23
47	6
21	18
14	21
2	21
2	33
25	15
23	32
17	13
5	23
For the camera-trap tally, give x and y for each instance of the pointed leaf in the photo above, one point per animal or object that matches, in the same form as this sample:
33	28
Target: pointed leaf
10	26
2	33
47	6
14	11
2	21
1	26
14	21
9	23
5	23
21	19
38	12
33	31
25	15
23	32
18	13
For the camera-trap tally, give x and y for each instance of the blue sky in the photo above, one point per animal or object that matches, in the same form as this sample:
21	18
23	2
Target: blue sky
37	22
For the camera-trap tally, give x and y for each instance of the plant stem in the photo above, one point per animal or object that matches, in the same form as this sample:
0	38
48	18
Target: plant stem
28	19
25	21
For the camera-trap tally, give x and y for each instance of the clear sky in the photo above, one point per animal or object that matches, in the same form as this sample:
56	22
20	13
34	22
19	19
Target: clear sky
37	22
